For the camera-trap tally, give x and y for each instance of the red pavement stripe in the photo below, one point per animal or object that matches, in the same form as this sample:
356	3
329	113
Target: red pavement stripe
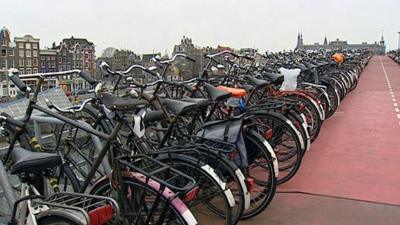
357	154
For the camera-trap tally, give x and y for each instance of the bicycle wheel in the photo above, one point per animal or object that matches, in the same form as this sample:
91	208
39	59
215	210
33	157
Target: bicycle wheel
312	115
214	202
333	100
284	139
261	171
144	204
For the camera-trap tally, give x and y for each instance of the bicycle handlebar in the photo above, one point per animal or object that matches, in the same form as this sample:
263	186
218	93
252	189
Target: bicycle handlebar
52	105
105	67
15	78
169	61
222	53
88	78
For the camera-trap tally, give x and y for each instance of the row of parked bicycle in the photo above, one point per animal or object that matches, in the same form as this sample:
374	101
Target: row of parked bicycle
395	55
208	150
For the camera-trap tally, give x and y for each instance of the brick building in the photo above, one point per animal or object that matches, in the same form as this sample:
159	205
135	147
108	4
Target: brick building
75	53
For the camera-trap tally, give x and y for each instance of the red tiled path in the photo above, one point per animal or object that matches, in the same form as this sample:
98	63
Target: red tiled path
354	164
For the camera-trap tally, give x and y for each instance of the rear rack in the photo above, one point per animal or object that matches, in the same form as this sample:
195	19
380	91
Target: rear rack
164	174
215	144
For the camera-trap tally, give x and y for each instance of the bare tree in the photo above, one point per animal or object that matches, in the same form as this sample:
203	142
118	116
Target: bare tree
108	52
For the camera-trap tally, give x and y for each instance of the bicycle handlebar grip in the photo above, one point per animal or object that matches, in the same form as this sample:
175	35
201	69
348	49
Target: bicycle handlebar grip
235	55
151	72
12	121
190	59
15	79
88	78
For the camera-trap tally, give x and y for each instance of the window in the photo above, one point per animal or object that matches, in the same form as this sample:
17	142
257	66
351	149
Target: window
3	52
21	70
34	53
21	45
4	41
10	52
42	57
21	53
28	45
28	62
35	46
21	62
28	53
35	70
3	63
35	62
28	71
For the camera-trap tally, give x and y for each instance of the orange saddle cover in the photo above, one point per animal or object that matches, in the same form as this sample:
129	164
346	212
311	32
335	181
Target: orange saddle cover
236	92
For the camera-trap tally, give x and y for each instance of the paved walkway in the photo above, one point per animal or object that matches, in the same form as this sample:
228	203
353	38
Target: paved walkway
352	173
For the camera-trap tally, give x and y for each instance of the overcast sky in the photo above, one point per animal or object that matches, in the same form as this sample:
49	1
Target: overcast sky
147	25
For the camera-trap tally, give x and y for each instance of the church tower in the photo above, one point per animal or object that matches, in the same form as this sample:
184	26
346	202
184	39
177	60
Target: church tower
325	41
382	45
299	41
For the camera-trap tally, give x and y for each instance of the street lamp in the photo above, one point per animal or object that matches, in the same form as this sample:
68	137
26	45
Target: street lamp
398	47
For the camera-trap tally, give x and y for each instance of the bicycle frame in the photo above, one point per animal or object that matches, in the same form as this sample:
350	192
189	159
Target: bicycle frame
33	106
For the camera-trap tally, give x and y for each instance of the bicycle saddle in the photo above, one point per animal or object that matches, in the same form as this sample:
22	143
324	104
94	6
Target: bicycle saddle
122	104
27	162
152	116
216	94
179	107
201	102
257	82
274	78
236	92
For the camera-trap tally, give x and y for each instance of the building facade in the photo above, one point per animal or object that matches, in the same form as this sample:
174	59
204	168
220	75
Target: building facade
378	48
185	68
27	54
7	61
48	60
120	59
75	53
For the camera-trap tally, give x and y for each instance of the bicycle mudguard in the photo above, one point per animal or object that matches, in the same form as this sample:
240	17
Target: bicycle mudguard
227	131
305	126
327	98
74	216
270	150
178	204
